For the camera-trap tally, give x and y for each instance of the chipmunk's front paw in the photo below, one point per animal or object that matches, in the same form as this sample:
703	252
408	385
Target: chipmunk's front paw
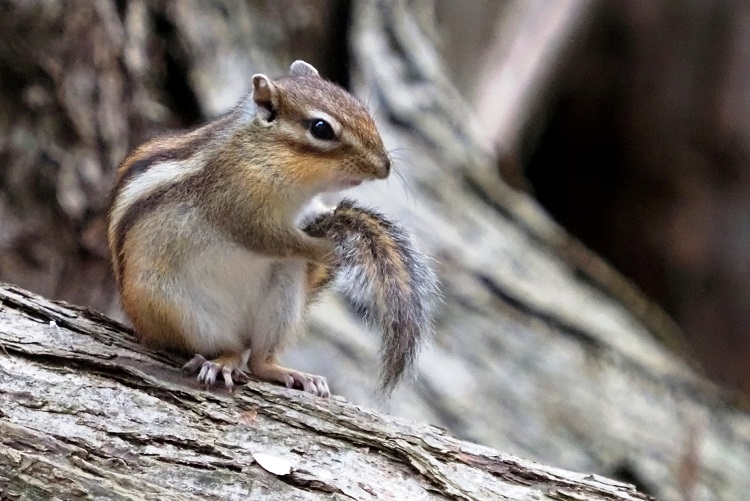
228	366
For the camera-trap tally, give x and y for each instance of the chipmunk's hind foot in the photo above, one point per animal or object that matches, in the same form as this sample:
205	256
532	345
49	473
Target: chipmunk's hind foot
226	366
269	370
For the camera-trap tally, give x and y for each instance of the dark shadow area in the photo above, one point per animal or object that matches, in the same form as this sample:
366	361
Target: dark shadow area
643	159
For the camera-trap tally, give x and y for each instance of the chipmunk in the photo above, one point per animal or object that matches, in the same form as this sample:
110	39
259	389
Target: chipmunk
207	250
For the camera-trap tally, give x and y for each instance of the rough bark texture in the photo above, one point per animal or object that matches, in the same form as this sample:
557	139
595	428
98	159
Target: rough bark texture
86	413
541	349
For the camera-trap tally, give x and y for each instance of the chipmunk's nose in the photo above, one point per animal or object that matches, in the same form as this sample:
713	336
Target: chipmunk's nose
386	161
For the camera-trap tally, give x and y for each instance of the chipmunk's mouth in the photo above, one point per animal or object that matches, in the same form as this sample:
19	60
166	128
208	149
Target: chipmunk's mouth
343	184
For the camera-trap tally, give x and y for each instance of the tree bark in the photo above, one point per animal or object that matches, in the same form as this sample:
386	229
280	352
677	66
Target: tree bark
86	412
541	349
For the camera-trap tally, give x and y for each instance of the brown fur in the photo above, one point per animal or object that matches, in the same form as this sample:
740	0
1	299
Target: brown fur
318	277
153	320
175	147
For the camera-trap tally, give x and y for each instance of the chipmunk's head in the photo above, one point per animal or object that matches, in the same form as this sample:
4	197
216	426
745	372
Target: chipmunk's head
326	131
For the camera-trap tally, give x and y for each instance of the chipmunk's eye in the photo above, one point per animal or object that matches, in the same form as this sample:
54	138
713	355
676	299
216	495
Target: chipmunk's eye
321	129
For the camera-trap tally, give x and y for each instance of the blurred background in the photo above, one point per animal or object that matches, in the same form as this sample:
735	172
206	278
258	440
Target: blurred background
641	149
628	122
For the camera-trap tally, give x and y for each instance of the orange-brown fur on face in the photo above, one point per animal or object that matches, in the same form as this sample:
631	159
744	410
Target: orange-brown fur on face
358	152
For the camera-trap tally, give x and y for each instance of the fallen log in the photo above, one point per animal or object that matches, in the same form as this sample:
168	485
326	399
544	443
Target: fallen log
87	413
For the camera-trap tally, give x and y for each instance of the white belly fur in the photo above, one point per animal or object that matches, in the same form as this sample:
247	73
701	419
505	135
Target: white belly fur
234	299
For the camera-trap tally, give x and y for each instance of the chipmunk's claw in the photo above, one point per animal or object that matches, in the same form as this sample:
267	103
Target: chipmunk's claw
310	383
227	366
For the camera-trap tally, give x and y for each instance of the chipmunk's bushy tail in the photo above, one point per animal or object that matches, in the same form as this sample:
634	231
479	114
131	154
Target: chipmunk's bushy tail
385	276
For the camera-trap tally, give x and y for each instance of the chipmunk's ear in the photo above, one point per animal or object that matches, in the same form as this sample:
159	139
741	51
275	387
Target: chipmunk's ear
265	95
300	68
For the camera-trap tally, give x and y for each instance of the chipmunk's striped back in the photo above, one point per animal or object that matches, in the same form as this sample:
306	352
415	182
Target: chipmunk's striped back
153	171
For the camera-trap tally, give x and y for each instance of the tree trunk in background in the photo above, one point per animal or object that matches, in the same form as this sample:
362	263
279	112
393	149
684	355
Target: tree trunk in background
541	349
